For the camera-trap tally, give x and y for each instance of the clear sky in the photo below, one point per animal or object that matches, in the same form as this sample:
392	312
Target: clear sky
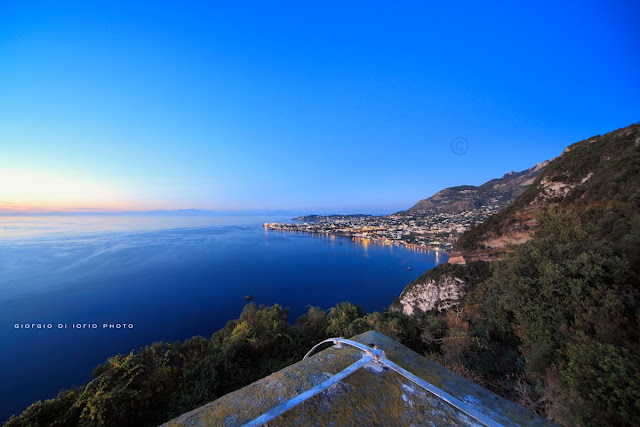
312	106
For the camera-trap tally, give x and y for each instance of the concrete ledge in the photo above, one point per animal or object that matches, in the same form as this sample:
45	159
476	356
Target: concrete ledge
372	396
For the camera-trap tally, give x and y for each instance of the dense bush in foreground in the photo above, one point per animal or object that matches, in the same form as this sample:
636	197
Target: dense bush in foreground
572	303
556	327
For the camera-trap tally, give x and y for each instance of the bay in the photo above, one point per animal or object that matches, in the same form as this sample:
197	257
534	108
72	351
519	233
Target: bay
162	278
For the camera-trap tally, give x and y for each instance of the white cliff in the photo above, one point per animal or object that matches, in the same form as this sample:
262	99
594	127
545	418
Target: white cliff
440	293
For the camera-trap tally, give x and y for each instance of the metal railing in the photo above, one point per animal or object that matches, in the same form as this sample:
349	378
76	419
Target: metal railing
375	355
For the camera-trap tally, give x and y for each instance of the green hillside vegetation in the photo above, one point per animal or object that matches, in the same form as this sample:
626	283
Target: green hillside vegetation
568	300
570	307
554	326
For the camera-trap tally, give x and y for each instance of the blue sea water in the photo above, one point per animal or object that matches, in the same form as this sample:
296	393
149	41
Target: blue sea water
171	277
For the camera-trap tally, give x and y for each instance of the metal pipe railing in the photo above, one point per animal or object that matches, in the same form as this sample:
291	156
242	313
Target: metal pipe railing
376	355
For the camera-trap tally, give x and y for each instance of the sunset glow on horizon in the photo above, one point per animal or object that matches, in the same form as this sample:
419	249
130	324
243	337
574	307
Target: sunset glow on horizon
24	191
339	108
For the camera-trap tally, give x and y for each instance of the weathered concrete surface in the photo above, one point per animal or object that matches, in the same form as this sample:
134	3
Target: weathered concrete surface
372	396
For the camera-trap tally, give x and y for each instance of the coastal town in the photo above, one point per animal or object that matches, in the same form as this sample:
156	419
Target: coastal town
432	223
429	231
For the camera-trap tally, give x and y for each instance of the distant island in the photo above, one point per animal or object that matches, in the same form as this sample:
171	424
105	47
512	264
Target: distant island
433	223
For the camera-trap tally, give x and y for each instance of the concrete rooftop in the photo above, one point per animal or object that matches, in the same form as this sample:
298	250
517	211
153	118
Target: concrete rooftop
371	396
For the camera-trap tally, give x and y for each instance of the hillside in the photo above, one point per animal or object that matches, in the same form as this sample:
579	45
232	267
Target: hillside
496	193
547	290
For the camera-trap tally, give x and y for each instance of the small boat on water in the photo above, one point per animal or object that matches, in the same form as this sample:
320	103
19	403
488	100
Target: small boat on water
248	297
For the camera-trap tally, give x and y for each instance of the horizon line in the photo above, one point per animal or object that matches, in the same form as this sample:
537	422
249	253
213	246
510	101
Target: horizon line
188	211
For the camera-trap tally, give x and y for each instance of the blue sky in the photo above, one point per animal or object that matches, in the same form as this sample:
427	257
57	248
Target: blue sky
327	106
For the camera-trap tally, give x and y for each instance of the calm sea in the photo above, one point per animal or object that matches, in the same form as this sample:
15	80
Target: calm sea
171	277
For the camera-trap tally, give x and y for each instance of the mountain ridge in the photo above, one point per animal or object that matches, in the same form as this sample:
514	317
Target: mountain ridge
498	192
